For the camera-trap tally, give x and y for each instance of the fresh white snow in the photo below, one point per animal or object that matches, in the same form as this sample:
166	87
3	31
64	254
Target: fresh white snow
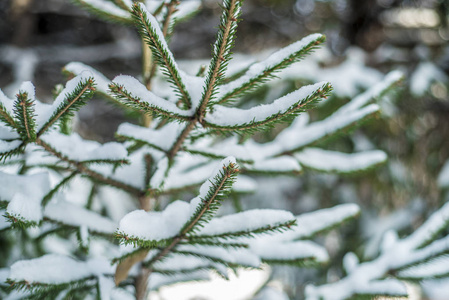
223	116
58	269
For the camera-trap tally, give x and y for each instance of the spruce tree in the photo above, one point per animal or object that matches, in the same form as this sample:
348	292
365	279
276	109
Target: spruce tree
194	138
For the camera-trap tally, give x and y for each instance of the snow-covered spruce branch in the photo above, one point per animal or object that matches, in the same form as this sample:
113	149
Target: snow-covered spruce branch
221	53
32	118
117	11
260	117
149	29
416	257
80	167
167	28
261	72
134	94
177	152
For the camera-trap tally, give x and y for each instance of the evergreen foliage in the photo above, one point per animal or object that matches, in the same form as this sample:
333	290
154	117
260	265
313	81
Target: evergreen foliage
197	139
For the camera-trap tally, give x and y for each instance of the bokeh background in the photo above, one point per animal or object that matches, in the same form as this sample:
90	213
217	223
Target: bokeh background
365	40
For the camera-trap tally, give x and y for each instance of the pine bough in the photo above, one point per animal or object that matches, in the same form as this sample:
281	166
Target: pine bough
55	180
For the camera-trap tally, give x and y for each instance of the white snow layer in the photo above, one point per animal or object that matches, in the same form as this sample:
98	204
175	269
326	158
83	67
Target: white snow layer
289	140
372	93
76	148
138	90
289	250
311	223
168	223
157	225
7	103
101	82
246	221
274	59
9	146
58	269
276	164
364	278
233	117
25	193
74	215
332	161
7	133
109	8
239	256
162	138
45	111
186	8
437	267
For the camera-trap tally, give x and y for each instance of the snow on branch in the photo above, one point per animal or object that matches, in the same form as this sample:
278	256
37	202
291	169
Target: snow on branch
333	161
234	119
134	94
391	79
291	141
150	31
24	194
108	10
53	271
74	148
101	82
69	214
410	257
161	139
75	94
247	223
179	218
260	72
221	52
277	165
6	110
299	253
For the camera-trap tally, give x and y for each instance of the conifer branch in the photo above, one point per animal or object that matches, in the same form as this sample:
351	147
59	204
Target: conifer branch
221	52
112	11
171	8
257	123
85	170
254	76
24	113
219	186
281	227
62	183
135	102
149	30
72	101
6	118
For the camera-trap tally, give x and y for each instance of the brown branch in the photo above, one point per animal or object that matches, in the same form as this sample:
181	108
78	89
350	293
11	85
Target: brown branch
185	133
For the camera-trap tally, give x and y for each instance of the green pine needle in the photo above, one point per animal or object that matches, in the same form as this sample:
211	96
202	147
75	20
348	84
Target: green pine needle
25	116
72	102
162	55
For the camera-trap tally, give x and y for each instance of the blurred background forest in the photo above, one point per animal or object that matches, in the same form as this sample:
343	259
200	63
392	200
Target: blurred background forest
365	39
